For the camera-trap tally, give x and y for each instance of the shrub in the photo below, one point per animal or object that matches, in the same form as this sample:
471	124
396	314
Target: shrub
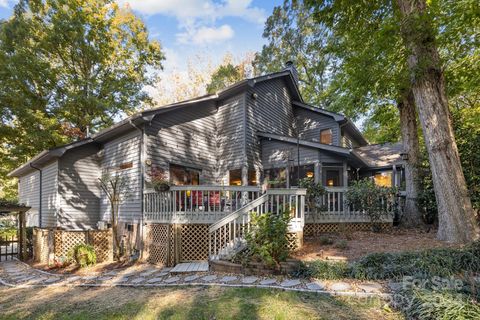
364	195
342	245
84	255
8	228
426	263
267	238
324	240
446	305
315	191
328	270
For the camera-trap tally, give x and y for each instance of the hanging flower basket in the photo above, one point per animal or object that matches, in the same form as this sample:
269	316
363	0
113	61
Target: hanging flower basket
161	186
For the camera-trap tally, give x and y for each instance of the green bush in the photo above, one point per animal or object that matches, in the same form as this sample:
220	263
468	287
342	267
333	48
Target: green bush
432	305
325	241
364	195
8	228
315	191
84	255
328	270
267	238
426	263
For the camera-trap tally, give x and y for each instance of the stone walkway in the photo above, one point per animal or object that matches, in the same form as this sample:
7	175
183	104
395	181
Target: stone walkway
18	274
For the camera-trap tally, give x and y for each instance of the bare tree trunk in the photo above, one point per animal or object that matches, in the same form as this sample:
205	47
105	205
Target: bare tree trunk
408	125
455	214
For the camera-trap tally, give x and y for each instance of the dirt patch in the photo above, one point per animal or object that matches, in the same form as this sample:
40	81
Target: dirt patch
354	245
99	268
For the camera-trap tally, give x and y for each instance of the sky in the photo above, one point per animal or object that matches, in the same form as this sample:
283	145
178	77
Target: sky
186	28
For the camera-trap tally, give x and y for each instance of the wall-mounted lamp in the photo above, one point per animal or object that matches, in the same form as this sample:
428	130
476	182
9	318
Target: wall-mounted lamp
254	96
148	162
404	156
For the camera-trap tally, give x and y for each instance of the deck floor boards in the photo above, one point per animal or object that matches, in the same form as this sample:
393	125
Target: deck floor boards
201	266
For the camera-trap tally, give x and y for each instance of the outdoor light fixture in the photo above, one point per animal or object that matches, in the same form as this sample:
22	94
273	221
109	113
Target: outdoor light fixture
330	182
310	174
404	156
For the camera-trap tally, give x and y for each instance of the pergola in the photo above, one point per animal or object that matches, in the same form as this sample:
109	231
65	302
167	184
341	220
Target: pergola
19	211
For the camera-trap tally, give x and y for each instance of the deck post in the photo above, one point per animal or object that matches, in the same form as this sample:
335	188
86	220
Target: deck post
345	174
318	172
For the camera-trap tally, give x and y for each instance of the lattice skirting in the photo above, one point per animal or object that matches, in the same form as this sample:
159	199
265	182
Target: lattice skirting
159	244
49	244
295	240
314	229
194	242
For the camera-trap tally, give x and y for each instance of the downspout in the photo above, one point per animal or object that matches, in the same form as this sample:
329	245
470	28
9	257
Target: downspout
40	195
142	179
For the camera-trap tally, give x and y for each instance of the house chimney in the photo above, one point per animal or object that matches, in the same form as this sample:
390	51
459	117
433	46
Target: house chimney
291	67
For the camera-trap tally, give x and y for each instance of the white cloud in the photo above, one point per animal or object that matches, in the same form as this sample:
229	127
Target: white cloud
197	18
186	10
206	35
3	3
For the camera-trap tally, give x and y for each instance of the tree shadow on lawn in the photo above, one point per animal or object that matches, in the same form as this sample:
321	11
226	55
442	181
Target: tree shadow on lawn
180	303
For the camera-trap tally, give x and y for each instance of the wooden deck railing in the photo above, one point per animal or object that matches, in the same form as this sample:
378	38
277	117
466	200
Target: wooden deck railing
196	204
333	207
227	232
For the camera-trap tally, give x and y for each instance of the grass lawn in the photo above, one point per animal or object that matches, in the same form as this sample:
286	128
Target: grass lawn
182	303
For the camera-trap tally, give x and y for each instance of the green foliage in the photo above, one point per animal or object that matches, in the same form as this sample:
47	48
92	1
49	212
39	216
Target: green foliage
67	66
426	263
84	255
342	245
8	228
225	76
267	238
328	270
315	191
292	34
433	305
364	195
325	241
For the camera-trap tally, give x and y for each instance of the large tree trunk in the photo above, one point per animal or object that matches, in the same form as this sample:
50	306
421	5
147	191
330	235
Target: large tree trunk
455	214
408	125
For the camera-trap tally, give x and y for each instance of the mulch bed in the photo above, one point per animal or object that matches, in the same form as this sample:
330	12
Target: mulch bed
361	243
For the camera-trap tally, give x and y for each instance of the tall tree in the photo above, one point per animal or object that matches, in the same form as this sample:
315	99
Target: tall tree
456	218
293	35
69	66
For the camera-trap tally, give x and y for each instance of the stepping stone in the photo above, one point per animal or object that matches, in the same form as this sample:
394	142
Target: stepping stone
249	280
228	279
163	273
171	280
315	286
340	286
138	280
111	273
268	282
50	280
209	278
370	287
148	273
155	280
105	278
26	279
38	280
290	283
191	278
122	279
72	279
395	286
88	278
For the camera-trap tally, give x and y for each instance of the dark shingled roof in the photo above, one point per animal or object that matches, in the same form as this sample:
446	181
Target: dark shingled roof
381	155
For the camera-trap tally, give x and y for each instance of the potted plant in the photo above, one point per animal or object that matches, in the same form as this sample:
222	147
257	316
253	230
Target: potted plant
159	181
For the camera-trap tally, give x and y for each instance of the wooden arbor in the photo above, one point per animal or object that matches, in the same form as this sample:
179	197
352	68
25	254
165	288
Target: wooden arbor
19	211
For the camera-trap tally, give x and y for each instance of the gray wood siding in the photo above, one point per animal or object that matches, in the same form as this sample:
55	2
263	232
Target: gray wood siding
49	195
275	154
230	121
185	137
310	124
29	194
271	111
121	150
78	188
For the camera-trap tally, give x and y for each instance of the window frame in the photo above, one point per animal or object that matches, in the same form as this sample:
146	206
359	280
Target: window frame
331	135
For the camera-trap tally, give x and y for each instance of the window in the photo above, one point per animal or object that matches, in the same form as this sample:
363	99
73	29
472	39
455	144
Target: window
180	175
306	171
125	165
332	177
235	177
383	179
326	136
276	178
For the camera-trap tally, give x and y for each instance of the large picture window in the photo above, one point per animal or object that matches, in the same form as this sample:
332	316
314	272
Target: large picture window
236	177
305	171
332	177
181	175
326	136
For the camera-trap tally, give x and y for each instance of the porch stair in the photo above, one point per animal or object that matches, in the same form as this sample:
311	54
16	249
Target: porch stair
188	267
227	236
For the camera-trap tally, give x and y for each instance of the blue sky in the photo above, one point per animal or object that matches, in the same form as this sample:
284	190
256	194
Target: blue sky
187	28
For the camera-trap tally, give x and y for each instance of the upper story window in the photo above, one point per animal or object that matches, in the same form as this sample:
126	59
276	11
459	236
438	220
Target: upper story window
326	136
